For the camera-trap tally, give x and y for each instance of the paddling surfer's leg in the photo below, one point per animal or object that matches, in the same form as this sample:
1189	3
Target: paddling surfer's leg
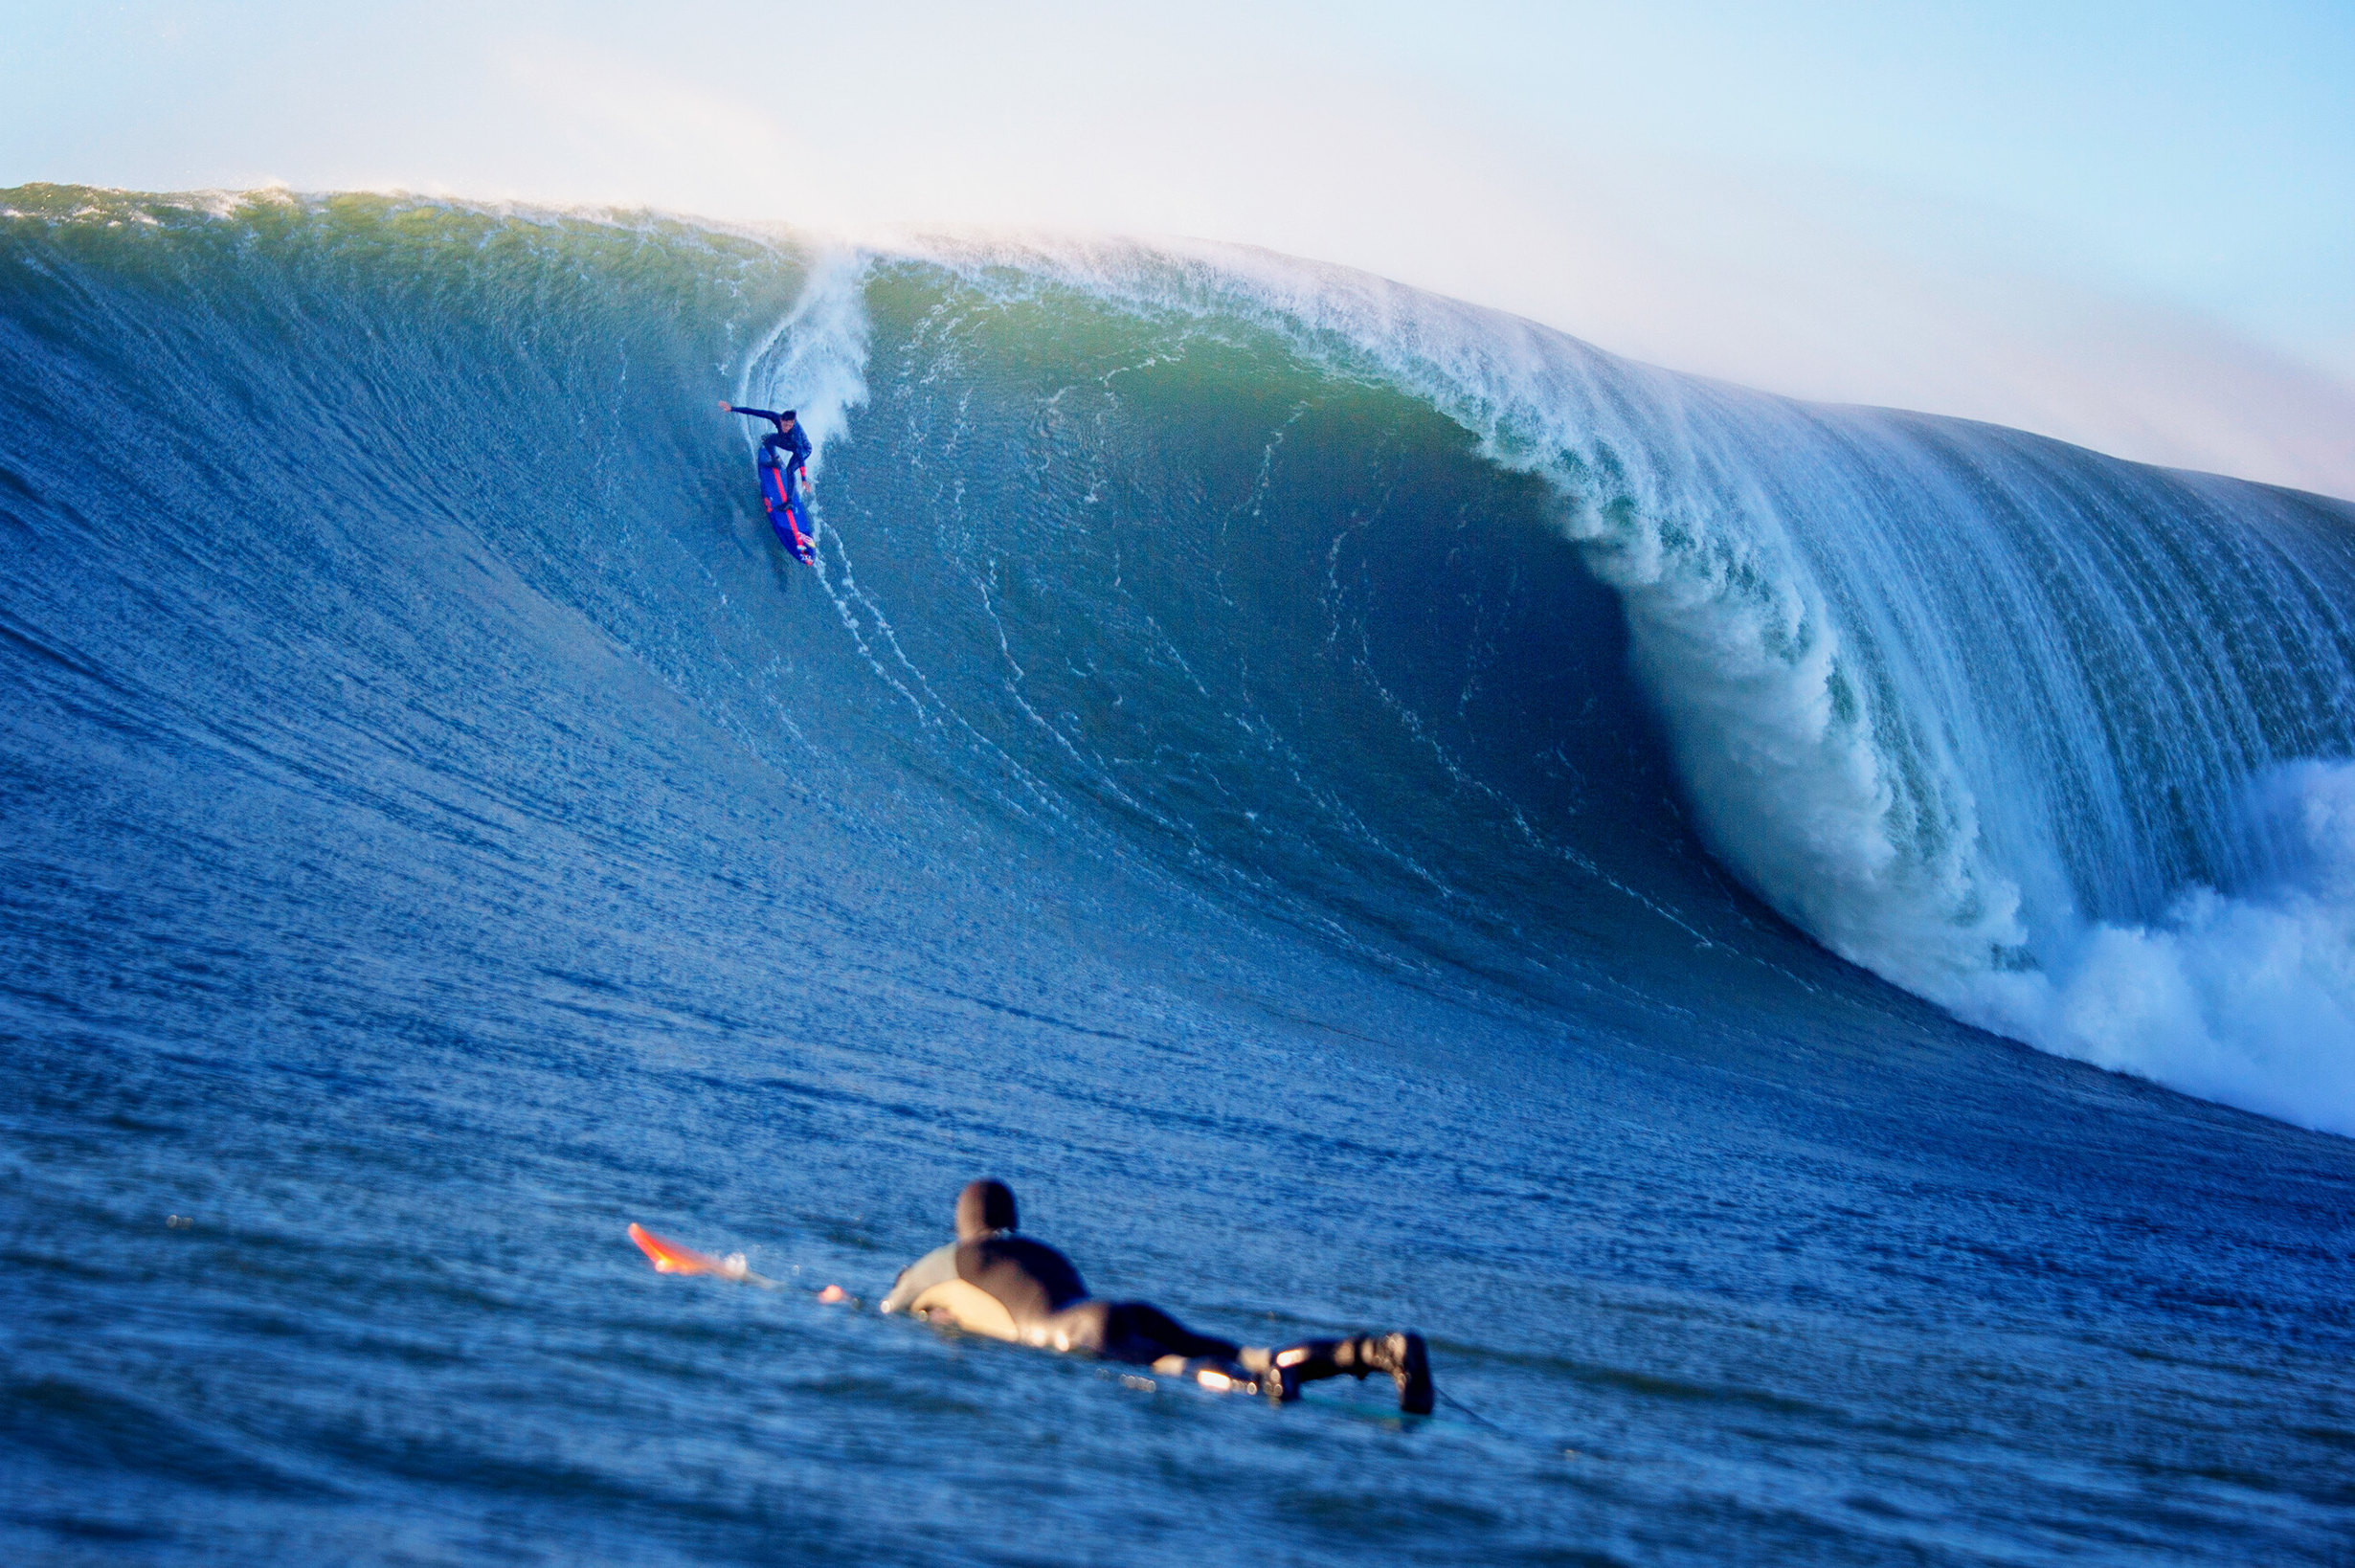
1142	1335
1132	1330
1402	1356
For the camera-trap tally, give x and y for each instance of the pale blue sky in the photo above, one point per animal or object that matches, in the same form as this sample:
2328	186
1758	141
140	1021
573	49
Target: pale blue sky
1711	184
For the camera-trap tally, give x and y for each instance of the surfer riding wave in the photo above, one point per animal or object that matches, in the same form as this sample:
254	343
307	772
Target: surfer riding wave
784	459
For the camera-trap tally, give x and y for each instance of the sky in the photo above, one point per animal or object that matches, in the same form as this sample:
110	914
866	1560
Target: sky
2128	225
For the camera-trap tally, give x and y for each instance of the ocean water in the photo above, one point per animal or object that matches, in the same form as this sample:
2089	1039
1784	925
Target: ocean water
1810	950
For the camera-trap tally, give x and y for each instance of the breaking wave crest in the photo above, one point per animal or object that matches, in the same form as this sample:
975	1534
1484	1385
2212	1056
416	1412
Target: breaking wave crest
2053	740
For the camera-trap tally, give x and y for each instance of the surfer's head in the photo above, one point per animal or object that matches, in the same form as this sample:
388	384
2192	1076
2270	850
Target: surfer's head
785	418
983	1207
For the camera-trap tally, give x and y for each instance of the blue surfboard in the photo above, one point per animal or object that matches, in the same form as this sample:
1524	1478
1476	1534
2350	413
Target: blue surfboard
786	514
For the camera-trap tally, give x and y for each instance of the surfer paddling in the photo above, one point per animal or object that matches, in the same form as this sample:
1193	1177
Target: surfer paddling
784	460
990	1281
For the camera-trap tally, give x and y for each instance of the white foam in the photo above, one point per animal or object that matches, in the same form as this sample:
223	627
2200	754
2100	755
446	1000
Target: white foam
815	357
2247	999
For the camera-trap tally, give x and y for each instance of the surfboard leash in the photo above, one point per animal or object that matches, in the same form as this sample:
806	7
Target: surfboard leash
1470	1411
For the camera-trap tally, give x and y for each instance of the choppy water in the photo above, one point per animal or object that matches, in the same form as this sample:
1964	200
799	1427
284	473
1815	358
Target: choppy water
1343	800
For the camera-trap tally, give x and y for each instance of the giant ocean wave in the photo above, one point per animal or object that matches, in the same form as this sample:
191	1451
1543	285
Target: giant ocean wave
1458	644
2057	741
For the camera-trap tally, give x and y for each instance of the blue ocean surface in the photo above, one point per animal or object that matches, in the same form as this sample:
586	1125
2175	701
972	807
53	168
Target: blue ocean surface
1811	951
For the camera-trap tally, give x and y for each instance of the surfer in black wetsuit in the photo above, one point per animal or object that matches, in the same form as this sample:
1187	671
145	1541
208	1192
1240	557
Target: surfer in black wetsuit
786	447
784	459
990	1281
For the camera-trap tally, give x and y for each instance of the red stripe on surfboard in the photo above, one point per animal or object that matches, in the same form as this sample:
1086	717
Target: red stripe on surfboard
802	540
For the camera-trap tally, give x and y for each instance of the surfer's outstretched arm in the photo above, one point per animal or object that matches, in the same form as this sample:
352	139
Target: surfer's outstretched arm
772	417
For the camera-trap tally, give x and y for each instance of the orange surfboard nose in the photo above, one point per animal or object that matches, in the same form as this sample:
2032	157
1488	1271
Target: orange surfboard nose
669	1257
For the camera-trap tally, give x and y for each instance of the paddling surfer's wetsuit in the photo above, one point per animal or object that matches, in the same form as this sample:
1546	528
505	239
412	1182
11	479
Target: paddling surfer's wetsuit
990	1281
784	457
